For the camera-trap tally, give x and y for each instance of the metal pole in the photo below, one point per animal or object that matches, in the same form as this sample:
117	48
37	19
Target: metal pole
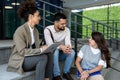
93	26
75	28
44	15
108	13
108	32
69	20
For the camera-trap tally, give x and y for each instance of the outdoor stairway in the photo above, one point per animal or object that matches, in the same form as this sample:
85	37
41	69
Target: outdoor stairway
4	75
5	51
112	74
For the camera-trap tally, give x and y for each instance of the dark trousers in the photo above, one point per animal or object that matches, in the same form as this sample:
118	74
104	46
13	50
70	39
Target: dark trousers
43	64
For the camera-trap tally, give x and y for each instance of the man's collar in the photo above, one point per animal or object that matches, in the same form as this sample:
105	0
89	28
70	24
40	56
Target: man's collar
54	29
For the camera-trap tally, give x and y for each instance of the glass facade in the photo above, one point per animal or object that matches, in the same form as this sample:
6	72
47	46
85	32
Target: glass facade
9	19
1	18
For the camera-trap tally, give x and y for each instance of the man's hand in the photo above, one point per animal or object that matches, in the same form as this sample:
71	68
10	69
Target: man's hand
65	48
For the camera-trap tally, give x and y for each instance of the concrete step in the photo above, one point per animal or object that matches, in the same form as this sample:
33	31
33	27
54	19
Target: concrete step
5	50
6	43
115	54
4	75
104	70
115	44
4	54
112	74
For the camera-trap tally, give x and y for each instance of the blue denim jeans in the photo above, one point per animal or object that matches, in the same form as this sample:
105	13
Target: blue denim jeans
60	56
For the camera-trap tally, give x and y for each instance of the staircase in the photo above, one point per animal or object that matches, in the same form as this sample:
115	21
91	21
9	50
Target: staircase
114	72
109	74
5	51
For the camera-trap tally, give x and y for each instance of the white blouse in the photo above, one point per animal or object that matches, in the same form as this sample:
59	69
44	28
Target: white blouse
32	35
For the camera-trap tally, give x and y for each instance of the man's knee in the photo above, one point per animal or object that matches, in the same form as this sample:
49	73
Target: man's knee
56	53
73	53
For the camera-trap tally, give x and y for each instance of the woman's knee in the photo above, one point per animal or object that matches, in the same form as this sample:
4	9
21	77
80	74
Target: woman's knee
96	77
42	62
44	58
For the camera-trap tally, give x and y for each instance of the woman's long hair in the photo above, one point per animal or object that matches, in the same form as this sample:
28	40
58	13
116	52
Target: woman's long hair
100	41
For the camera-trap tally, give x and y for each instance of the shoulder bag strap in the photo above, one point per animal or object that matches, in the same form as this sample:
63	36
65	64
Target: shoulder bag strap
51	34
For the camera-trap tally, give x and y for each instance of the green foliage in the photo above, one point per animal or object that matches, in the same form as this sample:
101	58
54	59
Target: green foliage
99	15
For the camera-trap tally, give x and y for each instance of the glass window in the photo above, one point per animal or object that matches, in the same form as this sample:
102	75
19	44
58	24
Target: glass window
9	20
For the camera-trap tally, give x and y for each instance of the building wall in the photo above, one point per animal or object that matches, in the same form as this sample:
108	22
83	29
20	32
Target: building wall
1	19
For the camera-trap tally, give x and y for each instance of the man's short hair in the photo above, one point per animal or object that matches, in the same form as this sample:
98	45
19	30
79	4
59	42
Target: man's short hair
59	16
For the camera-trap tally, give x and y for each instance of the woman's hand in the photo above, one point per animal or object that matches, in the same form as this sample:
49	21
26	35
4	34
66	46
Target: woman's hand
84	75
44	48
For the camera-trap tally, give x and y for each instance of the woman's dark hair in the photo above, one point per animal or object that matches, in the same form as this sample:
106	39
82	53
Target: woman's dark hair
27	7
100	41
59	16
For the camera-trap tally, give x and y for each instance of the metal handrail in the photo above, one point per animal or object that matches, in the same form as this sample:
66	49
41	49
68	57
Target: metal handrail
47	11
83	17
113	67
71	21
79	15
115	59
118	20
93	21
